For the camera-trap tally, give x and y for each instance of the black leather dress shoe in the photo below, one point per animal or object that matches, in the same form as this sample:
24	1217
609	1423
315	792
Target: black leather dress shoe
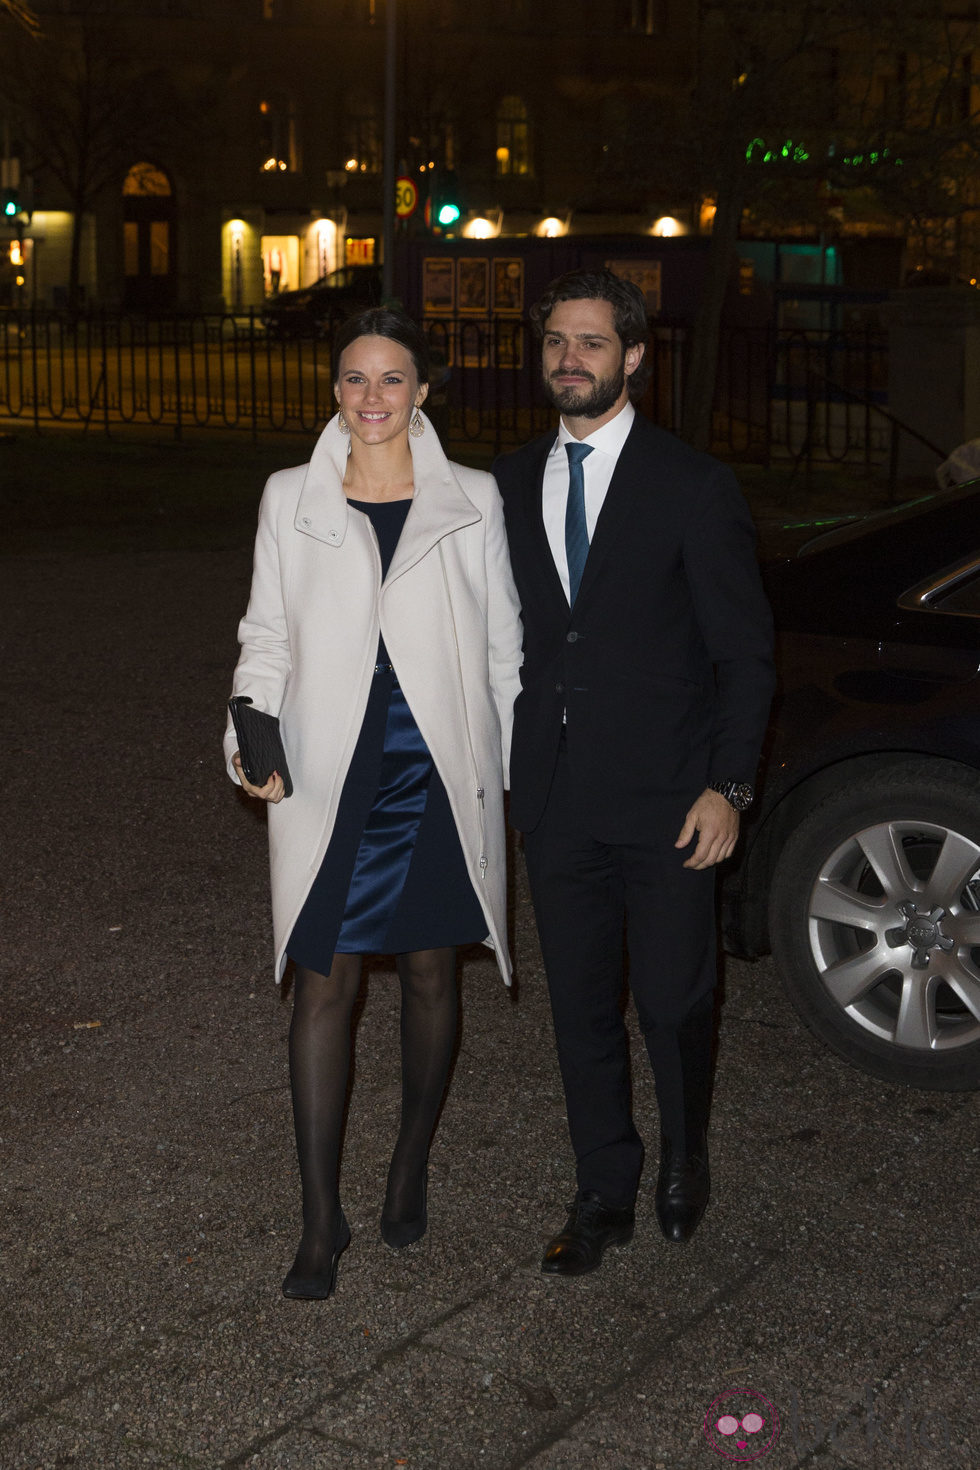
590	1227
683	1187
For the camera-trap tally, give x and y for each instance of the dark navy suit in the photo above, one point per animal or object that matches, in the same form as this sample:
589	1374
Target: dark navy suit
655	683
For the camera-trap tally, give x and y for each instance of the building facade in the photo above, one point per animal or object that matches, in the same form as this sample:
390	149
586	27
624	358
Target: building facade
238	146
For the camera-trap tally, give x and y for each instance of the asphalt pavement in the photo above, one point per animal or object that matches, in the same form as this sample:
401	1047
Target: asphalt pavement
825	1314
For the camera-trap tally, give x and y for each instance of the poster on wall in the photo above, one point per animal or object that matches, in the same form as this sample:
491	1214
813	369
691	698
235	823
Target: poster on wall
438	285
474	284
508	284
643	273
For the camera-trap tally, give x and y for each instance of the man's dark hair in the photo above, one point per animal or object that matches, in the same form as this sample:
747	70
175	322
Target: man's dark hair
629	313
384	321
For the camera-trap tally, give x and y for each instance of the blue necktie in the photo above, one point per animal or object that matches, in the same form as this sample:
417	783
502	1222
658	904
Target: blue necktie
576	530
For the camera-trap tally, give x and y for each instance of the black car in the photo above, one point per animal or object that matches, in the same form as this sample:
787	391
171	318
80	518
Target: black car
314	311
860	869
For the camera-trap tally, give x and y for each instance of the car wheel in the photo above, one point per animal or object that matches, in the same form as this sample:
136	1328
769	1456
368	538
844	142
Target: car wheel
874	920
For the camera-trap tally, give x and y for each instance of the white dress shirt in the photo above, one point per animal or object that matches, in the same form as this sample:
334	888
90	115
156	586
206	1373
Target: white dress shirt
606	444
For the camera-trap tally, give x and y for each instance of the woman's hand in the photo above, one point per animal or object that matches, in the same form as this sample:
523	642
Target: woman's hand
273	790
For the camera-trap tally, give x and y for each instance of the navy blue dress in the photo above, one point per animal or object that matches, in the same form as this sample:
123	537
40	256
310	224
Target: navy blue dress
393	878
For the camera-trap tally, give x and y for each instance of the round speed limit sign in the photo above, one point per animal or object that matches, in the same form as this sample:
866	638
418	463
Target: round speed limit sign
406	197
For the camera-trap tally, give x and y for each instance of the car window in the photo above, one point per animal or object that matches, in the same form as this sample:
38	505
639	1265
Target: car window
891	515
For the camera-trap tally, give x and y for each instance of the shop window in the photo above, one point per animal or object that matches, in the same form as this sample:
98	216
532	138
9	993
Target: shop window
280	263
359	251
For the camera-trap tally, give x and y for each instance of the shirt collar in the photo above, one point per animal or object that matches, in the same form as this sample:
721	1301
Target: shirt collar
608	440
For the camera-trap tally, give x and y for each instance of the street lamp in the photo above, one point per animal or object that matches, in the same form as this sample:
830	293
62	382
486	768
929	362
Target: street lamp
388	171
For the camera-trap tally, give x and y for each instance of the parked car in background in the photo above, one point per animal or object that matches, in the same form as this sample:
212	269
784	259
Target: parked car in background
860	867
314	311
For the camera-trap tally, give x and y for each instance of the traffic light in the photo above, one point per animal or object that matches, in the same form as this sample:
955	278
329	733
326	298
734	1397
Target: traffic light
444	206
11	203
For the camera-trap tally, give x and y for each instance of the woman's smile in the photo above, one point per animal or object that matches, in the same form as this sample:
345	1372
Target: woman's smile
377	389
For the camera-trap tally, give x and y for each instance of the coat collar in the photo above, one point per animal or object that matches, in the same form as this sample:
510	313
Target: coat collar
439	507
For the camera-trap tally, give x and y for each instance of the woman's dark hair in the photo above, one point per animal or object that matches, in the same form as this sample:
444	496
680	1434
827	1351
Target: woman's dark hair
629	313
384	321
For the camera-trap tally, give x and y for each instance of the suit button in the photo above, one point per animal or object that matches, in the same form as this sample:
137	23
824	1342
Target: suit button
559	689
571	637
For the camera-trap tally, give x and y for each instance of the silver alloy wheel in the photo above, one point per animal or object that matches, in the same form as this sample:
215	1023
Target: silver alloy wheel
894	933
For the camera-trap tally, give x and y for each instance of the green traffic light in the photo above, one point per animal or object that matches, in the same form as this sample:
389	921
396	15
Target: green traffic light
448	214
10	207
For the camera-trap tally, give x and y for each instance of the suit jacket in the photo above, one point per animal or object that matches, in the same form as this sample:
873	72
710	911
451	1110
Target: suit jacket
664	665
448	612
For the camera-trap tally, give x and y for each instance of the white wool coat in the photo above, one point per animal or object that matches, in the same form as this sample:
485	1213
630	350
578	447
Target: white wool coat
449	615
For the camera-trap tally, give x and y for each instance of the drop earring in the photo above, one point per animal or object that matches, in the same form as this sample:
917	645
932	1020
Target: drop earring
417	427
342	423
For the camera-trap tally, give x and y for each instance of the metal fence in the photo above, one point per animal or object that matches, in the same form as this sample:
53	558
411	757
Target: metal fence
821	396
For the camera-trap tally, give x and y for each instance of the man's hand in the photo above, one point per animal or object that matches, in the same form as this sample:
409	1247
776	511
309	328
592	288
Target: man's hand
716	823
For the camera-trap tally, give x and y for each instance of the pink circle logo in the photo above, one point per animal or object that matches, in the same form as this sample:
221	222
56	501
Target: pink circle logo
741	1424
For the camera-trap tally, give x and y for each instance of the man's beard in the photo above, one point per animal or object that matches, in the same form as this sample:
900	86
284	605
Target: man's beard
595	397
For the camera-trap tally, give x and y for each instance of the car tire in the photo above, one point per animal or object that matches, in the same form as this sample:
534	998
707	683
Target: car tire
874	921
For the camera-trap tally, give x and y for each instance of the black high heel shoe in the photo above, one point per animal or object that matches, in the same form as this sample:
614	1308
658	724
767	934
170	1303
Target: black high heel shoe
399	1233
321	1285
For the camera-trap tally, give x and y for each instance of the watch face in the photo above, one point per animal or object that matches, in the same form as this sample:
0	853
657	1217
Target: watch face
738	794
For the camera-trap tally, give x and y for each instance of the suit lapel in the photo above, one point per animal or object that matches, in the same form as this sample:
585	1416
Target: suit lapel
540	547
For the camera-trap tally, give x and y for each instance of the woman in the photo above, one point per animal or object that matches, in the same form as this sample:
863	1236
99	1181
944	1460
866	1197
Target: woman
383	630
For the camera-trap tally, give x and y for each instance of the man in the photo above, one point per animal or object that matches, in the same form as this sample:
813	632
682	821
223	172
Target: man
646	687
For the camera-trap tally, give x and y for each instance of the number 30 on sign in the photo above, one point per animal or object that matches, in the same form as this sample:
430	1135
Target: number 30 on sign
406	198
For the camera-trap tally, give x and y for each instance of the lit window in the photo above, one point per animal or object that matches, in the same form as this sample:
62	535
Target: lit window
159	247
359	251
277	137
362	135
645	16
513	138
145	179
131	248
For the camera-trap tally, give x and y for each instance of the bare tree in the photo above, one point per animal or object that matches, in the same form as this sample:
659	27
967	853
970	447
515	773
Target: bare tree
800	110
21	14
83	105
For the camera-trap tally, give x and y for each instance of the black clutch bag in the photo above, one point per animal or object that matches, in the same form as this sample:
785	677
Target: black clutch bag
259	743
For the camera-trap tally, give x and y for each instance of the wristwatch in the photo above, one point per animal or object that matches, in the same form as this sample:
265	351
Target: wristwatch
737	793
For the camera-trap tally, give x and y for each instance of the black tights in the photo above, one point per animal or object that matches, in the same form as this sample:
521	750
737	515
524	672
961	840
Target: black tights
319	1065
